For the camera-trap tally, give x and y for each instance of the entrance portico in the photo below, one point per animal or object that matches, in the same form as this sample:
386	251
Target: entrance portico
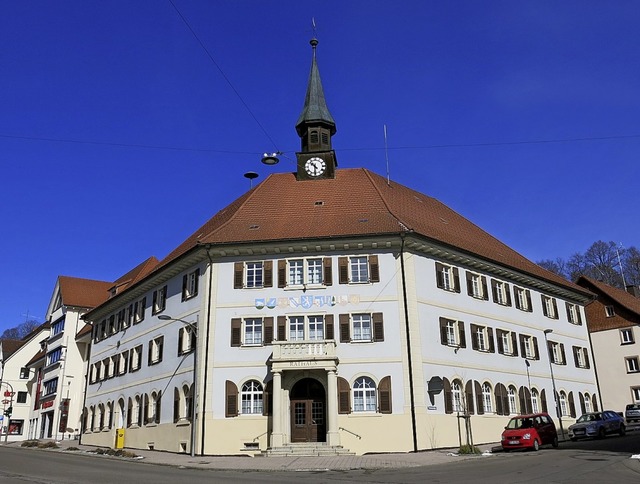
305	401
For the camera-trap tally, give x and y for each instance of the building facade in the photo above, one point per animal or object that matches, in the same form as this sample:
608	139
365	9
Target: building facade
614	323
334	306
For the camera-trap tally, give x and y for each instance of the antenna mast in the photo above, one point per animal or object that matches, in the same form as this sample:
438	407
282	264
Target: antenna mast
386	153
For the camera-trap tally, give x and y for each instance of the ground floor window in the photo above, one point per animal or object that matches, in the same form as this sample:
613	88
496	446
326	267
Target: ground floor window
364	395
251	397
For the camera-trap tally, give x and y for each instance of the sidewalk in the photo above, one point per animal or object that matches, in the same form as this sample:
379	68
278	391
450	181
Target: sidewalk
342	462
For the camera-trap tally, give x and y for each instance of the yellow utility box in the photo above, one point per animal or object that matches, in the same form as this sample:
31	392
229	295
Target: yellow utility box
119	438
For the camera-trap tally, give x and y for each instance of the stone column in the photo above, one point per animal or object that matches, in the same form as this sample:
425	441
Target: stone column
277	439
333	436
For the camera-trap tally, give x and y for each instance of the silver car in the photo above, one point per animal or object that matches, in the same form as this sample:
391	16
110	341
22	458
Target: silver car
632	412
597	424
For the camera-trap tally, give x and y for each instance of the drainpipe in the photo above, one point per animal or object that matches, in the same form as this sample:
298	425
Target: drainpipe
86	385
410	365
206	356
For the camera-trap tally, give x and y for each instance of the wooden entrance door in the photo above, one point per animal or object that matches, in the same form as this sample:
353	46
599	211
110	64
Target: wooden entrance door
308	412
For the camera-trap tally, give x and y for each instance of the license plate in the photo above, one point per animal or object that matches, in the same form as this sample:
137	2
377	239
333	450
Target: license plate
578	432
514	442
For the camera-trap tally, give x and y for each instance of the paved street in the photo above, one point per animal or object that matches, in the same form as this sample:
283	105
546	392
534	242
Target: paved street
595	461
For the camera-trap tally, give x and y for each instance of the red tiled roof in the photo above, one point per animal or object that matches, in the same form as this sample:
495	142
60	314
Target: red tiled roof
136	274
356	203
623	298
84	293
86	329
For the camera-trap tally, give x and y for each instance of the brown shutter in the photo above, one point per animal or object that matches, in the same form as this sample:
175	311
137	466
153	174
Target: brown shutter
145	402
583	409
149	353
499	393
328	271
160	348
236	328
153	304
568	309
499	334
572	406
529	305
328	323
514	343
374	269
345	333
594	403
468	390
344	396
494	290
158	407
456	279
461	334
564	358
586	359
343	270
492	348
184	287
485	290
268	274
575	356
555	308
535	348
180	338
282	328
544	306
238	275
469	283
231	399
384	395
443	331
479	401
282	273
448	403
439	275
579	315
474	337
543	399
267	335
378	327
507	291
267	398
176	405
523	402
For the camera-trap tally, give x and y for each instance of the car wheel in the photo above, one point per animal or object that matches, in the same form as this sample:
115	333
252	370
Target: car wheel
602	433
536	445
622	430
555	442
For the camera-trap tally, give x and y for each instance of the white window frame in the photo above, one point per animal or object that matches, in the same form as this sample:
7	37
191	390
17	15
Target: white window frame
587	403
550	310
122	362
556	353
528	347
522	302
191	287
635	393
156	354
564	407
456	396
361	327
580	355
136	358
507	342
359	271
626	336
448	282
609	311
305	272
573	313
476	286
252	332
501	293
139	310
633	364
254	274
159	300
50	387
512	396
251	398
57	327
535	402
482	338
487	398
364	395
54	356
307	327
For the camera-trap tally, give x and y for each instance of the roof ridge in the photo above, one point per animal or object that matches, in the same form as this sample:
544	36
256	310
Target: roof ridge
384	200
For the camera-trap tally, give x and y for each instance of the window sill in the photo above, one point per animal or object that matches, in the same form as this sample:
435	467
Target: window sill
151	424
183	422
625	343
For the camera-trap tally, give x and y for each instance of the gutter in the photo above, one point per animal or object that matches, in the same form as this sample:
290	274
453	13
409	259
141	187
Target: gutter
206	356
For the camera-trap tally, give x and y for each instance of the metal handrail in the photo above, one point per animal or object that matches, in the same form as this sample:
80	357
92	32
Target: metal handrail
349	431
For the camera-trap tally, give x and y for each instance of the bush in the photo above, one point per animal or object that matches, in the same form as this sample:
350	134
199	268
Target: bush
29	443
114	453
48	445
469	449
72	449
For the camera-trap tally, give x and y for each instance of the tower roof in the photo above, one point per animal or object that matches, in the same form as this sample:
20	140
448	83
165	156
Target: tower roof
315	110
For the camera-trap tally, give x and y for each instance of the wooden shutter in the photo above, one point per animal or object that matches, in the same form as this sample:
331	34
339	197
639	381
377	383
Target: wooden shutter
523	349
328	324
575	356
543	399
499	334
583	408
461	334
492	348
267	334
267	398
572	406
550	351
345	330
456	279
231	399
268	273
448	403
327	271
150	353
523	401
176	405
544	306
469	283
439	275
374	269
384	395
579	315
507	292
180	338
485	290
282	328
344	396
153	304
282	273
184	287
568	309
236	332
378	327
555	308
514	343
594	403
157	407
443	331
479	400
160	348
468	391
586	359
494	290
499	398
238	275
564	358
529	305
343	270
535	347
474	337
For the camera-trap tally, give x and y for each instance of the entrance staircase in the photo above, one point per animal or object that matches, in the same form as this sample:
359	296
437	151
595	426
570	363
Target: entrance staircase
306	449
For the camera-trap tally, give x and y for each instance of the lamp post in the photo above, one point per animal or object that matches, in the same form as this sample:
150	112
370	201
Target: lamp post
553	381
194	328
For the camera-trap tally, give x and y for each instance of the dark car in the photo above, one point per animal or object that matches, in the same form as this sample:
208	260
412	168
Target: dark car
632	412
597	424
529	432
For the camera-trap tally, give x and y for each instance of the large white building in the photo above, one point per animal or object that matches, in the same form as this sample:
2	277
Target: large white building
337	308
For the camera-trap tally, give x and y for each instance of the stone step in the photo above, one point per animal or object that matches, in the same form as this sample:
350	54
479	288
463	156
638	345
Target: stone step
306	449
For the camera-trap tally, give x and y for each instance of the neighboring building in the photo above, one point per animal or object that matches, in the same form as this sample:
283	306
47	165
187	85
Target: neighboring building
18	381
334	307
613	319
60	364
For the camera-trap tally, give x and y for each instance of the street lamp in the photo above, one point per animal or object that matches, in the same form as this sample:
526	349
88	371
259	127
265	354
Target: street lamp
553	381
194	328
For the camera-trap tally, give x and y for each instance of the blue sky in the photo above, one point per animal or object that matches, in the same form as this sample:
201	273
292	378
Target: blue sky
120	134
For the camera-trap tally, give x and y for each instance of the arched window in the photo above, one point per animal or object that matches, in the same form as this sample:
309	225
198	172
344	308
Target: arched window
564	408
109	417
513	401
188	398
177	405
154	403
137	411
130	410
535	401
122	413
252	397
86	421
92	421
456	396
587	402
594	402
486	398
364	395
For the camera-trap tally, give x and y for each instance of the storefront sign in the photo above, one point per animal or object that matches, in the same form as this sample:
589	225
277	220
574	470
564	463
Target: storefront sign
47	404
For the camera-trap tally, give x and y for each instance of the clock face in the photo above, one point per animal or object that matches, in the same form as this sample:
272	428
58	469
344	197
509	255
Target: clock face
315	166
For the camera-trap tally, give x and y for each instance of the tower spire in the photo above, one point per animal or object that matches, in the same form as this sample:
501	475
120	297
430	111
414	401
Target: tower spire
315	126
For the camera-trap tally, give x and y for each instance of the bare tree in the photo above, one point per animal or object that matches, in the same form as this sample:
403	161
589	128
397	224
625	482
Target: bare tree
557	266
631	266
21	330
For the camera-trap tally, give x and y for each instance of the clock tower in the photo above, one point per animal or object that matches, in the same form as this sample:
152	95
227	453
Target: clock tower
315	126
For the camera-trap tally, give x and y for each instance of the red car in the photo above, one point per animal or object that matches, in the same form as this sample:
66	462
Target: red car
529	432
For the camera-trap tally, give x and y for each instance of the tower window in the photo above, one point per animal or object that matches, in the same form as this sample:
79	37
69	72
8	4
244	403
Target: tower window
313	137
325	138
